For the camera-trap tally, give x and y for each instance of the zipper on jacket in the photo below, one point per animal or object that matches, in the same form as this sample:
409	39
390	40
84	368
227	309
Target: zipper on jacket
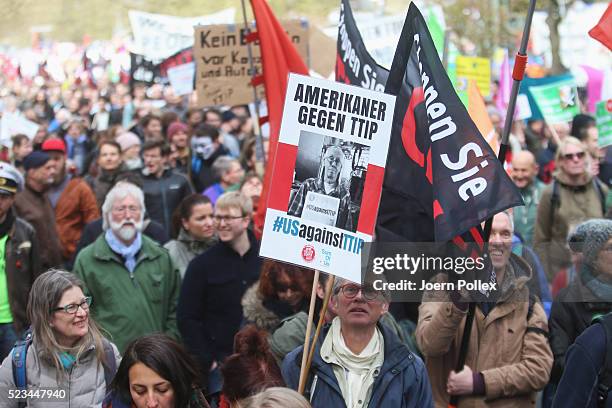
313	386
69	382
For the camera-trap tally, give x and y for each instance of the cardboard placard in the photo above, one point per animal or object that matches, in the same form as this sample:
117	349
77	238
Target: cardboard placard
223	71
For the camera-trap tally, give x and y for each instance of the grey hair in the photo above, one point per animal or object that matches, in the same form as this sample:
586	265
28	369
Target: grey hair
222	165
45	295
121	190
276	397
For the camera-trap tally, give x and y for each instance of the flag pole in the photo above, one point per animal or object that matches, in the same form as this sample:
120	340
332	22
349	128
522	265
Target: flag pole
517	76
313	299
258	135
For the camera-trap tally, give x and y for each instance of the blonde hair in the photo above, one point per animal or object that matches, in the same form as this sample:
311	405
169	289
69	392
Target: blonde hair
235	199
571	141
46	293
275	397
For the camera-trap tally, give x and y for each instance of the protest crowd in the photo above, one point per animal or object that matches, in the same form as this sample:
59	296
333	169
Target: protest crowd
131	275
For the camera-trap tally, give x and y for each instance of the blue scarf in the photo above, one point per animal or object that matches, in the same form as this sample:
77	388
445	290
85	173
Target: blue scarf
602	290
67	360
127	252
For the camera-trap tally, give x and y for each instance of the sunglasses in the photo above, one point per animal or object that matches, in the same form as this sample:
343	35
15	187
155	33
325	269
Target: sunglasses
572	156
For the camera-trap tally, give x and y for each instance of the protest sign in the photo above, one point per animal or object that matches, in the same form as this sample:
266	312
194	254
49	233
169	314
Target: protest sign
603	115
476	68
158	36
331	153
556	101
12	124
223	70
181	78
143	71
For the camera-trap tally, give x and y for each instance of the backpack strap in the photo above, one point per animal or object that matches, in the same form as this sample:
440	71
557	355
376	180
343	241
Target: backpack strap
18	358
110	368
604	382
533	299
555	201
600	193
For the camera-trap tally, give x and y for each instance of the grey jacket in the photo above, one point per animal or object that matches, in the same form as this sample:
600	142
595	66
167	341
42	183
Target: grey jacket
184	248
84	385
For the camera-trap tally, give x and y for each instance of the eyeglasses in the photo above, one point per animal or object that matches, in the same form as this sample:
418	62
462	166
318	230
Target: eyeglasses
74	307
572	156
334	161
227	218
133	209
351	291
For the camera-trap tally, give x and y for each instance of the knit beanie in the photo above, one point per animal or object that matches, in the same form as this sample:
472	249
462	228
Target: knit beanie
599	232
176	127
127	140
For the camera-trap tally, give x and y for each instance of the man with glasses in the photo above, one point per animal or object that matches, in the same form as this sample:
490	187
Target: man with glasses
329	183
131	278
209	309
359	362
573	197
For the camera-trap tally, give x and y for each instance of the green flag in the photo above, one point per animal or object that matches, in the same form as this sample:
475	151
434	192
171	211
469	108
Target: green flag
557	101
603	115
436	31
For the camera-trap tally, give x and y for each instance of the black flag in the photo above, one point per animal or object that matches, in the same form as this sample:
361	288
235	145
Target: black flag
442	178
354	64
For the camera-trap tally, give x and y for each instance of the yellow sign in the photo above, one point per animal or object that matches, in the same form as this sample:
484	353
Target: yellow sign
476	68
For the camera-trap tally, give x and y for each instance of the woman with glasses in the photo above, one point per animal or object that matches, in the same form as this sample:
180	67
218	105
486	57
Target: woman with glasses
194	230
68	362
574	196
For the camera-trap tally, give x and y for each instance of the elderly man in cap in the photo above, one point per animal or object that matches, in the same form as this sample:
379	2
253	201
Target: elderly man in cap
329	183
74	201
19	261
33	205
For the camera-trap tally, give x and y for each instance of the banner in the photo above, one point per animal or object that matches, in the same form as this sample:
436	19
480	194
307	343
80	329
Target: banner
181	78
354	64
143	71
603	115
12	124
223	73
557	101
180	58
331	153
441	173
158	36
477	69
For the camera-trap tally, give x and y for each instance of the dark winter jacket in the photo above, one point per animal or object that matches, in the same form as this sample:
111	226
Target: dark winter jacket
585	359
162	195
209	311
401	383
571	314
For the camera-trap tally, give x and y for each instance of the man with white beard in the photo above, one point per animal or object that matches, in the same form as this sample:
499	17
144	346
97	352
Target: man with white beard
130	277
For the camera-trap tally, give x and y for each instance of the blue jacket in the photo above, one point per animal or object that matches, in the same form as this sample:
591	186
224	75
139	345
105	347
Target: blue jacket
585	359
402	382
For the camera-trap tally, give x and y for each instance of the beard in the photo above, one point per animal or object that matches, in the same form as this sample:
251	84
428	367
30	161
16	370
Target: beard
126	230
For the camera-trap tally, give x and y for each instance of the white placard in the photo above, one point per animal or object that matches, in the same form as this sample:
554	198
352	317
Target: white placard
12	124
181	78
327	176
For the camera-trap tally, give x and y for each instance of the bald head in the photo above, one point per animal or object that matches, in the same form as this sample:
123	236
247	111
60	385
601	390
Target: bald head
524	168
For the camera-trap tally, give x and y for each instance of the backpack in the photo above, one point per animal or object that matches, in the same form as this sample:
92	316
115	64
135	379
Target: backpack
555	198
19	355
604	380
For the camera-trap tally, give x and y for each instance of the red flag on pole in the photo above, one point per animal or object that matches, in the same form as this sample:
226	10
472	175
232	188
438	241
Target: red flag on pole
602	32
279	57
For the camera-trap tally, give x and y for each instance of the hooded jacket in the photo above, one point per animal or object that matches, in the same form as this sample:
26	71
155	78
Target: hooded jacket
509	348
401	383
184	248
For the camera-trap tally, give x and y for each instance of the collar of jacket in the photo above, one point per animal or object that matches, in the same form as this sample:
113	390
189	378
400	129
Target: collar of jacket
564	180
254	245
397	358
149	250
